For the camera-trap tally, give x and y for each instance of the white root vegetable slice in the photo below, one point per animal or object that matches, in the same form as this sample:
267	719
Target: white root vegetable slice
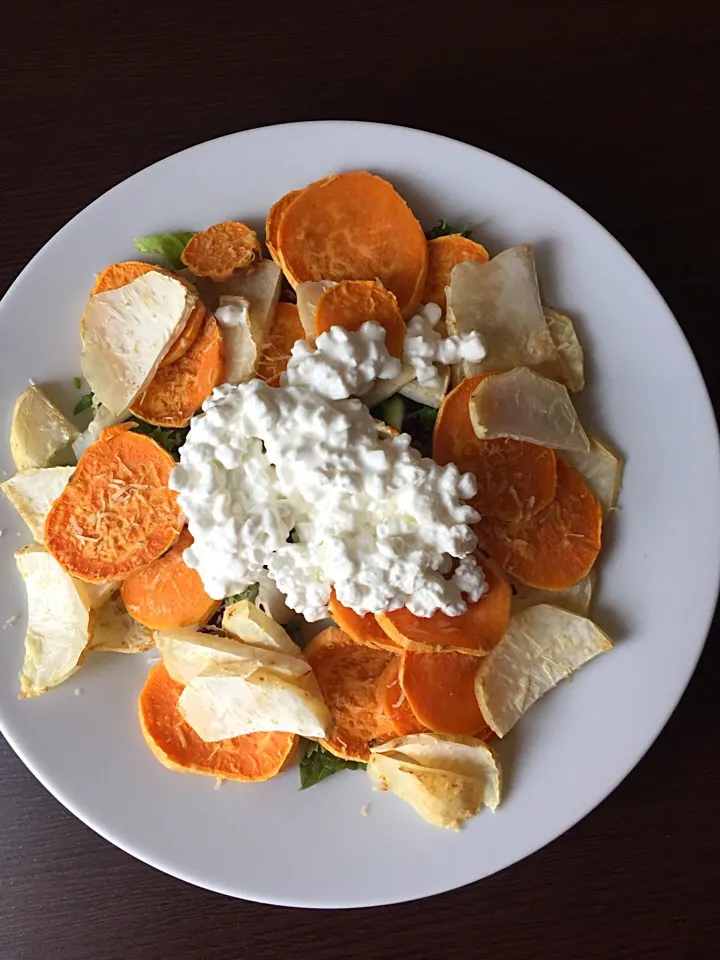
576	599
308	294
39	432
224	701
500	300
240	349
572	358
526	406
117	632
541	646
60	622
446	779
245	621
32	492
126	333
601	468
430	396
382	389
101	418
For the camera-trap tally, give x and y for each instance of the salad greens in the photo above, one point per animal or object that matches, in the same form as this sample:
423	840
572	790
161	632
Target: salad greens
318	763
169	246
85	401
444	229
249	593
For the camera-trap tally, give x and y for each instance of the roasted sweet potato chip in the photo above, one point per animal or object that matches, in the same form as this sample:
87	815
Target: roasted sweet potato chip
350	303
354	226
394	703
348	675
476	631
440	688
187	336
557	546
221	249
363	629
514	478
284	331
252	757
443	254
119	274
177	391
167	593
272	223
116	513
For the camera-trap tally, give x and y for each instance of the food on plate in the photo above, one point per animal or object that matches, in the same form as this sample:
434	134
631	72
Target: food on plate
116	513
221	250
542	646
39	432
524	405
514	478
446	779
444	253
340	564
354	226
178	389
167	593
60	622
253	757
554	548
32	492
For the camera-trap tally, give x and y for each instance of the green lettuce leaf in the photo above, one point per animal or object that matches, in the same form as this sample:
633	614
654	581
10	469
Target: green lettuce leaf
444	229
249	593
318	763
169	246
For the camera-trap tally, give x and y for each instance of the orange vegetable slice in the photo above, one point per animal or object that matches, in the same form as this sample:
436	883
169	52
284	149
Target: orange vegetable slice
272	223
476	631
167	593
395	704
443	254
221	250
251	757
348	674
350	303
557	547
354	226
514	478
285	330
187	336
440	689
362	628
116	513
177	391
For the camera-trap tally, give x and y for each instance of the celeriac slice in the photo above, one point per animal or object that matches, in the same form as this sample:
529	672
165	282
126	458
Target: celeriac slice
576	599
430	396
99	593
117	632
247	622
447	779
308	294
60	622
240	349
126	332
223	701
101	418
541	646
570	351
32	492
524	405
382	389
500	300
601	469
260	285
39	431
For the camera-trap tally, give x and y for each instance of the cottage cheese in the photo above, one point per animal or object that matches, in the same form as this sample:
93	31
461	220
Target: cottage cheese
373	519
343	363
425	347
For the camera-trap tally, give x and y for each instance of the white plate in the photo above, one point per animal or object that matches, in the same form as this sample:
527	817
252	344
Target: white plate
659	572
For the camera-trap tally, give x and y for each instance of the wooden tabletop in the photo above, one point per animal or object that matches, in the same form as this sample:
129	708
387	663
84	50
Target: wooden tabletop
612	101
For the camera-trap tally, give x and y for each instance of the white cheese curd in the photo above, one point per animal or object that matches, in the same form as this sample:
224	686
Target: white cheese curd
344	362
424	347
373	519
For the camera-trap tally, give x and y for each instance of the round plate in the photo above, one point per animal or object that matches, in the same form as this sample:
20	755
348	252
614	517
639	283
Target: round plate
659	573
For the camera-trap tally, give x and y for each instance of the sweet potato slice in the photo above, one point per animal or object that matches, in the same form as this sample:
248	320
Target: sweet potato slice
394	703
120	274
440	689
272	223
514	478
476	631
350	303
252	757
362	628
354	226
167	593
116	513
221	250
187	336
443	254
348	674
177	391
284	331
555	548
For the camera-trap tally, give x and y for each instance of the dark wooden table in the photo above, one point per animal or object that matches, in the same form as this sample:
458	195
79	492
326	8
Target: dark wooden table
614	102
